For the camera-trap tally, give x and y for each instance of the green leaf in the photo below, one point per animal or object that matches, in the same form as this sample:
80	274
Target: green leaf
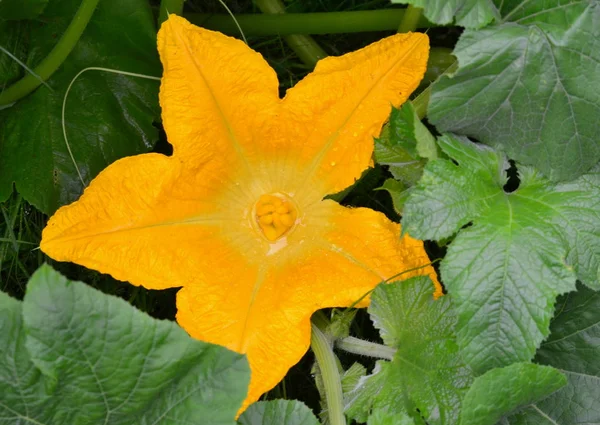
404	145
502	391
466	13
528	86
574	348
398	192
13	39
72	355
21	9
384	417
341	320
107	116
278	412
426	373
522	250
359	402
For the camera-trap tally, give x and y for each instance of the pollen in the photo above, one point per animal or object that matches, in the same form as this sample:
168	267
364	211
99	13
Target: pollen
275	215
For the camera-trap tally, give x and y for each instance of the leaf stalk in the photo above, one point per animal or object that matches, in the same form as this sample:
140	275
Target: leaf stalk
365	348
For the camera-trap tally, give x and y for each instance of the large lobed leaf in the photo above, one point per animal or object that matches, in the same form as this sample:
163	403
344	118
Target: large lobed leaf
574	348
529	85
107	116
72	355
426	372
522	250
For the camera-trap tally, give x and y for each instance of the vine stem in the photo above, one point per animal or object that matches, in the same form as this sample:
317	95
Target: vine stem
55	58
332	382
256	24
304	46
410	20
365	348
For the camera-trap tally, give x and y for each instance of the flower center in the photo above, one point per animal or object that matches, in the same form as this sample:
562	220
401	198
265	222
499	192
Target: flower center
275	215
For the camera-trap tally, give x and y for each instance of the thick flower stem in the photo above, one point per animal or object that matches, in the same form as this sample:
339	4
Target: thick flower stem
411	18
304	46
55	58
169	6
256	24
321	346
365	348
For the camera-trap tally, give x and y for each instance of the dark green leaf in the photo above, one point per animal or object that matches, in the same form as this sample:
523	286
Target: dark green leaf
466	13
21	9
528	86
426	373
574	348
404	145
72	355
13	37
107	116
505	270
500	392
278	412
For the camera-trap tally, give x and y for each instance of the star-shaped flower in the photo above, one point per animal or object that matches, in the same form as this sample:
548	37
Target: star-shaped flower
237	216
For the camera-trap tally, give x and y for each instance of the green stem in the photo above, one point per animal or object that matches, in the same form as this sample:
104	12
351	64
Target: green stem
411	18
169	6
55	58
365	348
304	46
304	23
330	374
421	102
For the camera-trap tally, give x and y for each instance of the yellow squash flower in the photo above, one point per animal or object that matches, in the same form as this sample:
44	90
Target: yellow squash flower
236	216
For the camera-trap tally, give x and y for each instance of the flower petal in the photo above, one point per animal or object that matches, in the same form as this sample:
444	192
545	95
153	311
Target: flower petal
148	220
264	310
216	93
339	108
356	249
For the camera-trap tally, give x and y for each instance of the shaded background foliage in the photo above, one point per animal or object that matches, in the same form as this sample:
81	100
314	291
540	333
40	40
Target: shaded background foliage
525	84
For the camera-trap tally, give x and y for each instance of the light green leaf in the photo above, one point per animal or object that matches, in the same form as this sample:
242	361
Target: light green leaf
466	13
107	116
404	145
426	373
574	348
522	250
528	86
384	417
278	412
398	192
500	392
72	355
359	402
21	9
341	320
